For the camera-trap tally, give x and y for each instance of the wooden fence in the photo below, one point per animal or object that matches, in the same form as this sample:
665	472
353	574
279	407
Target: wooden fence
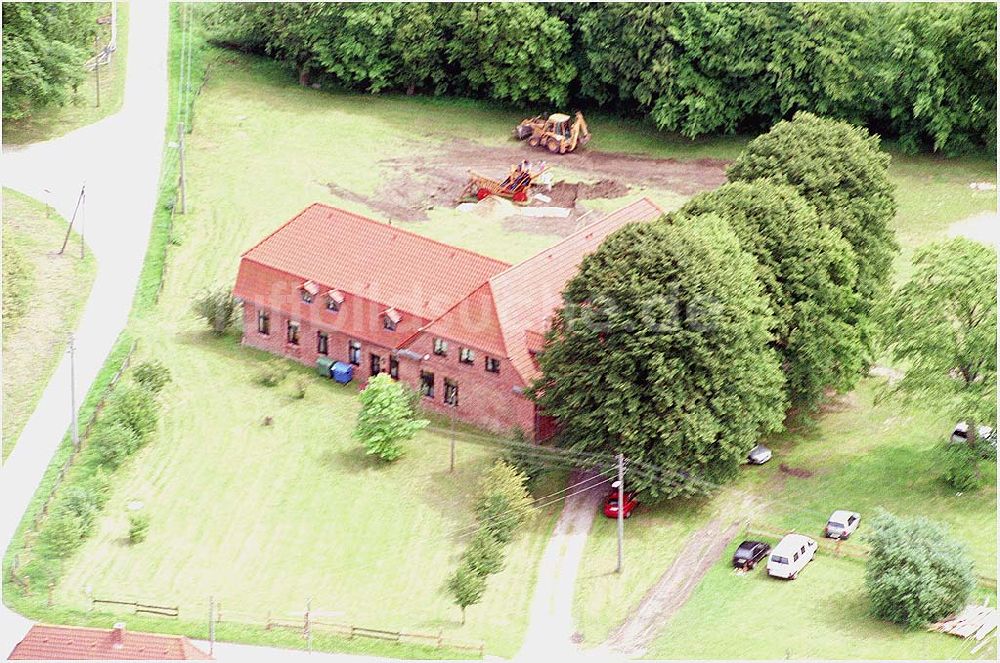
838	548
139	608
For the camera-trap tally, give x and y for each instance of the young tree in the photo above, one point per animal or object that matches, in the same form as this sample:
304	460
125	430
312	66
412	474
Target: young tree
661	351
217	307
915	572
808	272
466	587
504	504
386	418
942	325
840	170
485	554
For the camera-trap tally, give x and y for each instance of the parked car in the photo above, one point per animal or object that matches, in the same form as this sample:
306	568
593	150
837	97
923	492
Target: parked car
790	556
611	504
749	553
841	524
759	455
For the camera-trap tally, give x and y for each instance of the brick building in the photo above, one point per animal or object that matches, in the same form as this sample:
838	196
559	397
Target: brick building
461	328
79	643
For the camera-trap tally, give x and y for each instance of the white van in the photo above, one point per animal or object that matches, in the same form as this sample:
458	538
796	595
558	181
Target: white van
791	554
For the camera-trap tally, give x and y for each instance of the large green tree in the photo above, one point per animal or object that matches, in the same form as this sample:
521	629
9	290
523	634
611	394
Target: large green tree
941	325
386	418
842	172
662	351
45	45
915	572
808	271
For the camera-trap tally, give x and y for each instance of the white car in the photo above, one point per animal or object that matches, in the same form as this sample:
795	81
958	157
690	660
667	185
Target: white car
759	455
841	524
790	556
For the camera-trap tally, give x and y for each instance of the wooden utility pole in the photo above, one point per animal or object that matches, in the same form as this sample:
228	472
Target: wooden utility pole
182	185
309	638
72	392
621	509
451	468
79	201
211	624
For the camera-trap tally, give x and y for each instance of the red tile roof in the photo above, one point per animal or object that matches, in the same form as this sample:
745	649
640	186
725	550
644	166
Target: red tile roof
523	298
44	642
344	251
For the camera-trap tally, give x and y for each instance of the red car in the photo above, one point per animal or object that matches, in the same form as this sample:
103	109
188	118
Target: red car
611	504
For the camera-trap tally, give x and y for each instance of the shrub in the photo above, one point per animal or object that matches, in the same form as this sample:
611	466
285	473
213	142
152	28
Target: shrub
505	504
522	456
961	466
217	307
138	527
82	503
272	373
152	375
299	388
386	418
62	534
134	407
113	441
485	554
916	574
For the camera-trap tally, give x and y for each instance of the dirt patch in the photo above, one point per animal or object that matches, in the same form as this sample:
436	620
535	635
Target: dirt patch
799	472
422	181
673	588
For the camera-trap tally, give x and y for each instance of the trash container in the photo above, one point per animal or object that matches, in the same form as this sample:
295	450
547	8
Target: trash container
342	372
324	367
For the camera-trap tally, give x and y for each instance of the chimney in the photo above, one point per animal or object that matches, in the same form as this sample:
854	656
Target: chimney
118	635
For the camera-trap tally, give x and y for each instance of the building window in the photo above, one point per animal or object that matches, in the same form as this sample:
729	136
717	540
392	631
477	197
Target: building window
492	365
450	393
388	324
354	352
376	364
440	347
466	356
307	297
390	318
393	368
308	291
322	343
263	323
293	332
426	384
334	299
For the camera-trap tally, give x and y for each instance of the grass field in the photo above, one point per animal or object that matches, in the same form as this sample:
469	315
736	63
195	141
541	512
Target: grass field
52	296
55	121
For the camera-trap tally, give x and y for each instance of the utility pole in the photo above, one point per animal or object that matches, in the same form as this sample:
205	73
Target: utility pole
211	624
181	183
97	68
79	201
72	391
309	636
452	466
621	508
83	217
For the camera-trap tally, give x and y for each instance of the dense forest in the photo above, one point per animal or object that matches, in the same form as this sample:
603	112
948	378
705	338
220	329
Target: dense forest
924	74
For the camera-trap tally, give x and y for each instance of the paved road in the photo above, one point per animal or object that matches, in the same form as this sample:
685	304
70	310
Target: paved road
119	157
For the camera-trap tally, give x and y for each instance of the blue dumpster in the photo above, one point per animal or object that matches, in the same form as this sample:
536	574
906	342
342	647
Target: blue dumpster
342	372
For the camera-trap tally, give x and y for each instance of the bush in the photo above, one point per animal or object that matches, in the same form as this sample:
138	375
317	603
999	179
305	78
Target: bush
135	408
916	574
522	456
217	307
485	554
299	388
82	503
113	442
961	466
505	504
386	418
62	534
152	375
138	527
272	373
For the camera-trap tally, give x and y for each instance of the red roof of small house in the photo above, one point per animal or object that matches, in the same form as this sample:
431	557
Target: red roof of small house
339	250
44	642
522	299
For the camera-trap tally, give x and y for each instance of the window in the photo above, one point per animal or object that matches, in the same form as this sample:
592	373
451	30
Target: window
376	364
450	393
778	559
426	384
390	318
322	343
354	352
393	368
441	347
307	297
263	323
492	365
795	557
293	332
466	356
308	291
388	323
334	299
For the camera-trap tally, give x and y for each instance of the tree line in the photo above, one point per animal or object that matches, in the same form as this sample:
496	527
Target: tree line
922	73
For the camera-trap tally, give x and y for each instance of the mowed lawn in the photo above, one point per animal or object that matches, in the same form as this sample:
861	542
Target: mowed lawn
52	292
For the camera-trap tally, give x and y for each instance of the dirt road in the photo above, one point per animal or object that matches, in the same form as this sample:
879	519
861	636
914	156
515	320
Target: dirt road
673	589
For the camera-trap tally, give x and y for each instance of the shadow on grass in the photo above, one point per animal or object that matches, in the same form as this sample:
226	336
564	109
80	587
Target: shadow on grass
354	459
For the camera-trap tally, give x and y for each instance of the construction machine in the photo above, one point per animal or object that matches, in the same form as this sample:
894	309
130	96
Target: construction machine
556	133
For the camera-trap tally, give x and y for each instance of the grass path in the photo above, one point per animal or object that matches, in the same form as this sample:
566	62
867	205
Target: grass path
52	297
